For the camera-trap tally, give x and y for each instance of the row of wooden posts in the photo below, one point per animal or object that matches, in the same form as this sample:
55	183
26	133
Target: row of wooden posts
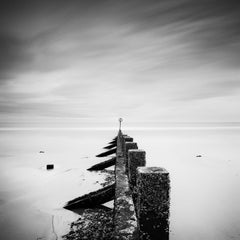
140	193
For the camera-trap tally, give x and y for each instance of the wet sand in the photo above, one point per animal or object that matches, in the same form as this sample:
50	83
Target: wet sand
32	198
205	192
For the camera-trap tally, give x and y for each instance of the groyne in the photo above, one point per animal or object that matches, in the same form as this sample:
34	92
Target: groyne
140	193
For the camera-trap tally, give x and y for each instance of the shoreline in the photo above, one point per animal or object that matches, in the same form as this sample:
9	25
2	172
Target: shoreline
23	178
42	204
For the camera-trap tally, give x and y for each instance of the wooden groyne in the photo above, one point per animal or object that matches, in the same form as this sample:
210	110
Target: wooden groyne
140	193
103	165
92	199
125	217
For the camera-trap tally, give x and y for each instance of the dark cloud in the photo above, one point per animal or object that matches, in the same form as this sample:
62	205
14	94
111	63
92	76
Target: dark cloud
222	14
81	51
211	25
13	55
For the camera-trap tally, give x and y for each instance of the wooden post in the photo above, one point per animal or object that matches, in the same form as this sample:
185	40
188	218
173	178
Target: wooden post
136	158
153	187
128	146
128	139
125	219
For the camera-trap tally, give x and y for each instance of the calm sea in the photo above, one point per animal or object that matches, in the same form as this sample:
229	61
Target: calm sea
205	191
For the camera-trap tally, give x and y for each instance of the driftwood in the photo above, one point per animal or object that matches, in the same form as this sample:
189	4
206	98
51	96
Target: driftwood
103	165
104	154
92	199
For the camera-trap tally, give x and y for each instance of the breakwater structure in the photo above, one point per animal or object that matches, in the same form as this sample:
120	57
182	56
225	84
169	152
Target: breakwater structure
140	193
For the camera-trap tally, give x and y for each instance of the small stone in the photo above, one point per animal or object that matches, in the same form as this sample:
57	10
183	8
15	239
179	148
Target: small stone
50	166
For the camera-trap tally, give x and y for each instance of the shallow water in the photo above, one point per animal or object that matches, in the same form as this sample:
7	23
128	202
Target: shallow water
204	190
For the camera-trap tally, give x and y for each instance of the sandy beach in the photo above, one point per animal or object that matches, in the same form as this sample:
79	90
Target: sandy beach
32	198
204	190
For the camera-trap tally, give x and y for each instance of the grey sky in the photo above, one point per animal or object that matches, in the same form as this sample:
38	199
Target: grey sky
90	62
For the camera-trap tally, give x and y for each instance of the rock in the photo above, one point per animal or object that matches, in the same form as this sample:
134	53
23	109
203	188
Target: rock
50	166
99	226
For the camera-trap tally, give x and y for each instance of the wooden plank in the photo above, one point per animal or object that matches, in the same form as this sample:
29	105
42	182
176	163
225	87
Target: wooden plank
104	154
92	199
111	146
103	165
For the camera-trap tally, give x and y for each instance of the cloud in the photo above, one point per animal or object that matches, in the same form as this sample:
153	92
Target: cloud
13	55
210	83
55	34
108	58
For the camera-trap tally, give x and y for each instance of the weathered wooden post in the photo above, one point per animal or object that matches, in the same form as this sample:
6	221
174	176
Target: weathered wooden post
128	146
125	219
136	158
153	186
128	139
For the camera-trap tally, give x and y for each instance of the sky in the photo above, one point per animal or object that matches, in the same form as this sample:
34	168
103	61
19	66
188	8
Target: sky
87	63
